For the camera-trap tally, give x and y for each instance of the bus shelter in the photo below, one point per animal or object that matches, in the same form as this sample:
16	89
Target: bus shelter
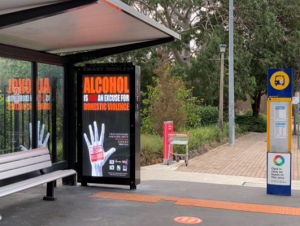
40	43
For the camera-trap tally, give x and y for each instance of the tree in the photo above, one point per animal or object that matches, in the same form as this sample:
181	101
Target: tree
195	20
165	101
267	34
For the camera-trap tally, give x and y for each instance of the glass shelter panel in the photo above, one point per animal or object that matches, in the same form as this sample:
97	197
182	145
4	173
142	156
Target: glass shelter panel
50	107
15	105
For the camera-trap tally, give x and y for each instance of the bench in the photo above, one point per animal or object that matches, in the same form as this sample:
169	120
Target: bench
19	163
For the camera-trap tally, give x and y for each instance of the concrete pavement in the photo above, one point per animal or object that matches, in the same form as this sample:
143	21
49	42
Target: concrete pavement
199	190
153	203
172	173
247	158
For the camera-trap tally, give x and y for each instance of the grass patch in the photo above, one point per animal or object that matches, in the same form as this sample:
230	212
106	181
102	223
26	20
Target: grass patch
151	149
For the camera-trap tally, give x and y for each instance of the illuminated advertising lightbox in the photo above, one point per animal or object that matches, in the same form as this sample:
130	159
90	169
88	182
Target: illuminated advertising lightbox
109	124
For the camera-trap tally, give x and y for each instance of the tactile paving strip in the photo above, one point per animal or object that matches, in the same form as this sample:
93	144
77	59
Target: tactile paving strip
257	208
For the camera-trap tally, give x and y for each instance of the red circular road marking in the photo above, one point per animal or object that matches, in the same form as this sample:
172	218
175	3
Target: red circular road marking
188	220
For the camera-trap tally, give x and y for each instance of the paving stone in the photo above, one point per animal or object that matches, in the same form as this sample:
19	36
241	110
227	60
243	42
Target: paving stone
247	158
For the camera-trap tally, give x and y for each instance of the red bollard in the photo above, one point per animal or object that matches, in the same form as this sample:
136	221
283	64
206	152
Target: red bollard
168	128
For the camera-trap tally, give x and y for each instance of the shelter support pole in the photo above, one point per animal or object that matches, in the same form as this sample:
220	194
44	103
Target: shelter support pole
69	121
34	77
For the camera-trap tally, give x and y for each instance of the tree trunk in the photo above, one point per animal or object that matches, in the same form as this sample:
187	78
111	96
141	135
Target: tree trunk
256	104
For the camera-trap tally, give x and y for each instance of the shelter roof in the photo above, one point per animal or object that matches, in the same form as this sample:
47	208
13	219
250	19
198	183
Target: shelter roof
90	26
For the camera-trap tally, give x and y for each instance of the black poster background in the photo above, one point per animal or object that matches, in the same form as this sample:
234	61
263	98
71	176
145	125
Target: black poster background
115	122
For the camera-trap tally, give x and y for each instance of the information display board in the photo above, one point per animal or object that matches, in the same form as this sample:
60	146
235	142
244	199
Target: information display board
109	121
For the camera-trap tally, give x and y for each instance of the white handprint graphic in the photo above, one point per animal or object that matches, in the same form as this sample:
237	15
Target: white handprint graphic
40	137
97	155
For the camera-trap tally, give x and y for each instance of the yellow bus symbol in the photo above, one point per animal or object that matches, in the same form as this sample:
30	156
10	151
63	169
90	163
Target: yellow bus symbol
279	80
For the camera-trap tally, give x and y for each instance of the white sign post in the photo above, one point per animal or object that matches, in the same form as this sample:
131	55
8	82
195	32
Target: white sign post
295	99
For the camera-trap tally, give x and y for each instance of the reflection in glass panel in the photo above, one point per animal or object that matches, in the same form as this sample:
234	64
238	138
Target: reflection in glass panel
50	109
15	105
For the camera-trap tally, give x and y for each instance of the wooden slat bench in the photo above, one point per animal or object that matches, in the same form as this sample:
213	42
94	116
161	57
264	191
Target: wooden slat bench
19	163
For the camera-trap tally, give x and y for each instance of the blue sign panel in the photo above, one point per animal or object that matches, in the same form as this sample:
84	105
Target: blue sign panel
280	82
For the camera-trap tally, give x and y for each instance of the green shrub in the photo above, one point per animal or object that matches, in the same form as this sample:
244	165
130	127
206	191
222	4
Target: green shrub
147	125
208	114
249	112
198	137
250	123
193	114
152	145
198	116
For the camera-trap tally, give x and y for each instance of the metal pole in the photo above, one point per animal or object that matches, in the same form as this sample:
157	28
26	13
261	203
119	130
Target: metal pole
295	119
49	128
53	116
231	78
11	131
221	95
4	109
16	127
22	132
298	123
29	119
34	76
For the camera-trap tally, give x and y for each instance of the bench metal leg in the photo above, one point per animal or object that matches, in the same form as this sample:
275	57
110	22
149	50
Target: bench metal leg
50	192
70	181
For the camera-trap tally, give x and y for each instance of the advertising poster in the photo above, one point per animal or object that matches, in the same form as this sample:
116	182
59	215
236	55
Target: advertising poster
279	169
106	125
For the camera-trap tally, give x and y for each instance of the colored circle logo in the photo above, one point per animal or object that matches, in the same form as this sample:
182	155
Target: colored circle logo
278	160
279	80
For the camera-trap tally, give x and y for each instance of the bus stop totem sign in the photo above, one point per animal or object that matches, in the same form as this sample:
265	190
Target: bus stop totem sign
279	131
